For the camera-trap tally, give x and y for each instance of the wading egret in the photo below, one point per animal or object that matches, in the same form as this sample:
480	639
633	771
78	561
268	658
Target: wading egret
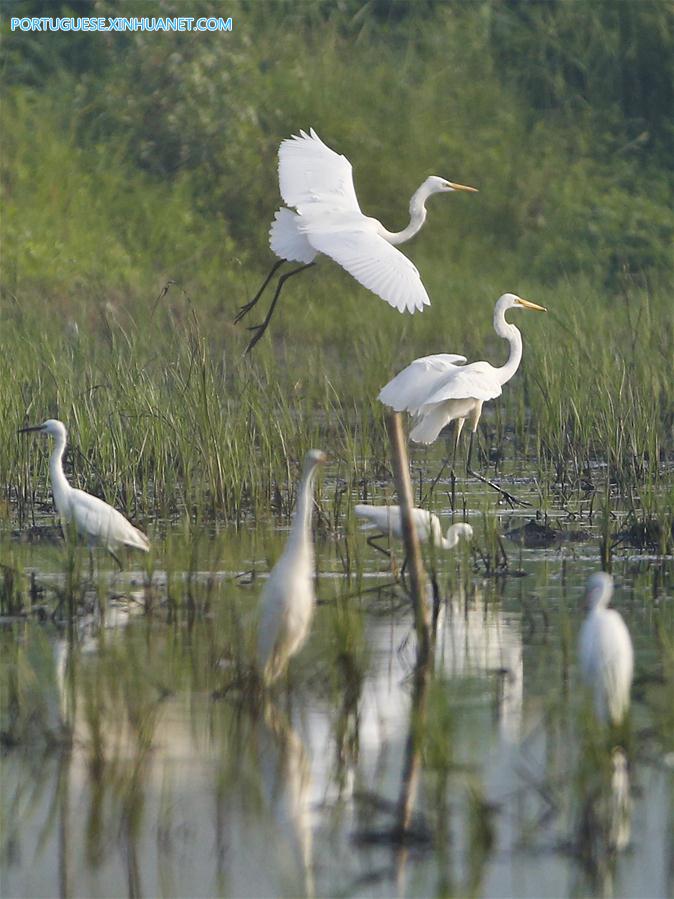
93	519
439	389
318	184
288	596
388	520
605	652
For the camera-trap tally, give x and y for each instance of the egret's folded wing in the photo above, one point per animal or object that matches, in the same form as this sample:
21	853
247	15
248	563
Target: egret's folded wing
476	381
384	517
310	172
440	361
411	387
374	263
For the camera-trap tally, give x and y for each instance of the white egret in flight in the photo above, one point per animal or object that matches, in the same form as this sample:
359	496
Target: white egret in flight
439	389
318	184
288	596
605	652
93	519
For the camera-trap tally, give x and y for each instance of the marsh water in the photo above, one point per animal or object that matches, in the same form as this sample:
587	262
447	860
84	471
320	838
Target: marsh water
137	760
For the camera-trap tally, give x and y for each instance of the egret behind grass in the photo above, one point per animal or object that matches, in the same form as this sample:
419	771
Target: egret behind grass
427	525
605	652
93	519
439	389
288	597
318	184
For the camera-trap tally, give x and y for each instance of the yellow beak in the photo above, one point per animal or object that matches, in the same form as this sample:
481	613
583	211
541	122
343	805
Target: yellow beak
470	190
528	305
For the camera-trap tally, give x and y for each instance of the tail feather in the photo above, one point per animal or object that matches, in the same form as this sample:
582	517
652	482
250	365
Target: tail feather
430	423
287	241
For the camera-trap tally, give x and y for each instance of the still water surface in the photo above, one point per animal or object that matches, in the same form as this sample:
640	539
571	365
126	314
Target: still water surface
138	773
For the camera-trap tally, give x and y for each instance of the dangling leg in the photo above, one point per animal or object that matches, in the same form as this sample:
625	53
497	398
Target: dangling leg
260	329
508	497
248	306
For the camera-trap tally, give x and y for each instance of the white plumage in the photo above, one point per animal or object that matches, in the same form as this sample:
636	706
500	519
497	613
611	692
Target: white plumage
288	597
94	519
427	524
318	184
605	652
438	389
322	215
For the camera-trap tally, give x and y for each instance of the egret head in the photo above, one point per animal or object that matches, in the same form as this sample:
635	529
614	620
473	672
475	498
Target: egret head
315	457
512	301
52	427
598	591
464	530
458	532
435	185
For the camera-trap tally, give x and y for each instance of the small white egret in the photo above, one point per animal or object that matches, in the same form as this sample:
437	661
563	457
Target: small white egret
318	184
288	596
93	519
605	652
427	524
439	389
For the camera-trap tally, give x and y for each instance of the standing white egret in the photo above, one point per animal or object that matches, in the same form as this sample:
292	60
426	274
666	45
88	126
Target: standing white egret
318	184
438	389
93	519
288	596
427	524
605	652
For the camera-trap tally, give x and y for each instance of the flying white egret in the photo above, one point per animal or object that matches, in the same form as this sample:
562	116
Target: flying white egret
318	184
93	519
605	652
439	389
288	596
427	524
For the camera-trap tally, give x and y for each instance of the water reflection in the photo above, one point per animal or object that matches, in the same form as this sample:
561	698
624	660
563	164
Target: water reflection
286	783
142	783
475	637
604	820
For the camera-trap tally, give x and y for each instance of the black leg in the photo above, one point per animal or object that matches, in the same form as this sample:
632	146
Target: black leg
372	541
121	567
429	492
248	306
508	497
260	329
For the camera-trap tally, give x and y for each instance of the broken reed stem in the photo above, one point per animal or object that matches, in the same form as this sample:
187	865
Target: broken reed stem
401	471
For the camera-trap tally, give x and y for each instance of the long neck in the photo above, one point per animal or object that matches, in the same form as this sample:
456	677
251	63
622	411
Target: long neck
453	536
59	485
512	335
601	602
417	218
300	536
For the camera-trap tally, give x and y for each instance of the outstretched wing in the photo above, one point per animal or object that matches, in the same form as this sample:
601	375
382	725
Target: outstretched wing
310	172
372	261
478	381
410	387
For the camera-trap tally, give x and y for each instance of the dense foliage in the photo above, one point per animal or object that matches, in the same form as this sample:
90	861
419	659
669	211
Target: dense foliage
129	160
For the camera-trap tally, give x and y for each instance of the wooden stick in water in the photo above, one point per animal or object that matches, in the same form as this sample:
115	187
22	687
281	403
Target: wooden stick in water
401	471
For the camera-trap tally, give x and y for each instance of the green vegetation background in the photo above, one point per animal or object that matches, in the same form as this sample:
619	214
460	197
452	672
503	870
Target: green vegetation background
131	160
